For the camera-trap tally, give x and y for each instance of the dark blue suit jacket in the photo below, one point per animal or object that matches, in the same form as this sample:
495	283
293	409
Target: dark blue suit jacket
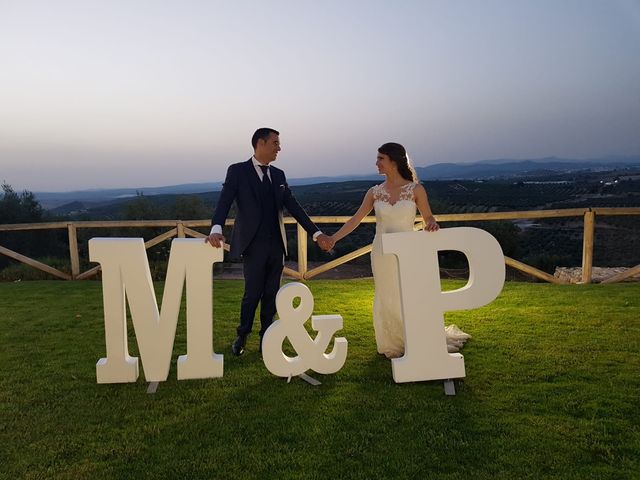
242	185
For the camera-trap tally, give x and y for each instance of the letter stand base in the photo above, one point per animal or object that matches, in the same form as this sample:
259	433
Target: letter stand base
306	378
310	380
449	387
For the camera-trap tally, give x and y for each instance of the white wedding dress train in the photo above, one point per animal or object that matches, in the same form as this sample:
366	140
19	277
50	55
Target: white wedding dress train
387	319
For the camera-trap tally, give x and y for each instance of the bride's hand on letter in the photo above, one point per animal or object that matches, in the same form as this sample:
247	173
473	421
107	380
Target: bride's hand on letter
431	225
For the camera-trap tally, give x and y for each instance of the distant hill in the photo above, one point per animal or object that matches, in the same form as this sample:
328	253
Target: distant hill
65	202
509	168
95	197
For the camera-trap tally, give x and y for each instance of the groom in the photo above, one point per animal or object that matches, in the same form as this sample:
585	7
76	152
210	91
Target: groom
260	192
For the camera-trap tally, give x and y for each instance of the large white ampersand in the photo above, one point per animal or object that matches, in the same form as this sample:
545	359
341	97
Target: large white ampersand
311	352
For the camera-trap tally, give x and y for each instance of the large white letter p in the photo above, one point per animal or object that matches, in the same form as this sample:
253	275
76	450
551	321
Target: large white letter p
424	303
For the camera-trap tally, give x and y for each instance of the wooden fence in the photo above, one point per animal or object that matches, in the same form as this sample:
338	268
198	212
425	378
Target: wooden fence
181	229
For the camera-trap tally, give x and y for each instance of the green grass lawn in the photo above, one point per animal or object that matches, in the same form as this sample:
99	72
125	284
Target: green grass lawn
552	391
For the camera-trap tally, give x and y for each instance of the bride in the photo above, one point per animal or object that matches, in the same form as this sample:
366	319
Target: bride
395	201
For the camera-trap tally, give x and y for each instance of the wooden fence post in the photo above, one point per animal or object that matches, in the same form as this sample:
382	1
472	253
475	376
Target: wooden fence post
302	252
180	226
73	250
587	245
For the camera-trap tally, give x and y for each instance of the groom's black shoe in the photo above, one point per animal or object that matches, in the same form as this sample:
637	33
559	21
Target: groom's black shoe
237	347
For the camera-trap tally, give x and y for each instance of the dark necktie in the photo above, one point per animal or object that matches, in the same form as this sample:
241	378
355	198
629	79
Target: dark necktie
265	178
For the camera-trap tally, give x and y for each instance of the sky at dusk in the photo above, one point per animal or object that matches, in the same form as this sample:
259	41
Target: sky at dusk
129	93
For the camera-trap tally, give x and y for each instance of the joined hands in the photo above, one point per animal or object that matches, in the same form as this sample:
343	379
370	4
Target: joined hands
325	242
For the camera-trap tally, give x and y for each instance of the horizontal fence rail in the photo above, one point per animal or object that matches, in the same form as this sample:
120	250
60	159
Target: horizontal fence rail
185	228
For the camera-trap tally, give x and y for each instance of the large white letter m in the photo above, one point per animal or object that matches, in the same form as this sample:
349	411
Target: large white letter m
125	274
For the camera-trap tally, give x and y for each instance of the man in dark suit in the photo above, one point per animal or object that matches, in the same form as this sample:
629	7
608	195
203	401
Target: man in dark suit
260	192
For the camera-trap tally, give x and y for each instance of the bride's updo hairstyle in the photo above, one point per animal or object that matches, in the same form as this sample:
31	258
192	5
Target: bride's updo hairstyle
398	155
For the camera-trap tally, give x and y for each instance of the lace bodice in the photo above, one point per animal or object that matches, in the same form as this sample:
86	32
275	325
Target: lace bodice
406	193
394	217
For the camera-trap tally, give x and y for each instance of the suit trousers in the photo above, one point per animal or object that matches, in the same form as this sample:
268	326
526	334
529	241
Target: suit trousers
263	262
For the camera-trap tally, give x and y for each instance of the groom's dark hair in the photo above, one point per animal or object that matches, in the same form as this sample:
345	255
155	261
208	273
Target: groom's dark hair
262	133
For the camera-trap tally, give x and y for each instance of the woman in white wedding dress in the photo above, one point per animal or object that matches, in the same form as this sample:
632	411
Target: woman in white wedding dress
395	202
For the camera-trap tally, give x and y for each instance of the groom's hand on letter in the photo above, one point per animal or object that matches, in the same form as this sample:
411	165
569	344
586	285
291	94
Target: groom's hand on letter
215	239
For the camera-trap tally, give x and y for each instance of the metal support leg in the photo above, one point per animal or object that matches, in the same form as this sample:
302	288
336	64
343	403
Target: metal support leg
449	387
